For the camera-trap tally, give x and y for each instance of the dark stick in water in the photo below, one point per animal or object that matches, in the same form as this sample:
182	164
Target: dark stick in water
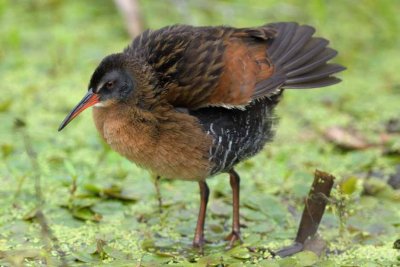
314	209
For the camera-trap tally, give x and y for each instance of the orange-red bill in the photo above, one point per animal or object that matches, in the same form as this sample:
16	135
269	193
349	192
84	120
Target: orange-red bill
87	101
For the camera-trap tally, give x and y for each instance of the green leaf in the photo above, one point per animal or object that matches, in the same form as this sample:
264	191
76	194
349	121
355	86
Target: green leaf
7	150
117	192
5	105
349	185
31	214
306	258
93	188
396	244
86	214
289	262
211	260
327	263
150	260
241	253
219	208
268	263
84	257
69	166
148	244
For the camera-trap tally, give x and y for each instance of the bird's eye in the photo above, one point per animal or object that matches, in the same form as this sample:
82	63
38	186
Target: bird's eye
109	84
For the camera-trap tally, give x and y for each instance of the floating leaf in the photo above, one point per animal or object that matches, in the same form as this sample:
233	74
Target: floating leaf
219	208
7	150
148	244
241	253
211	260
378	188
86	214
112	208
5	105
17	257
84	257
83	201
327	263
345	138
252	215
90	248
150	260
268	263
19	123
289	262
349	185
117	192
396	244
394	180
100	244
216	228
166	254
92	188
393	126
113	192
70	168
30	215
262	228
316	245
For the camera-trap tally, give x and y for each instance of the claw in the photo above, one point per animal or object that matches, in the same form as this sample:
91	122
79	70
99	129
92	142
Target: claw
198	243
232	238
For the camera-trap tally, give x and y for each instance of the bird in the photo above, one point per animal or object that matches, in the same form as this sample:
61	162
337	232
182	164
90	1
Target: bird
190	102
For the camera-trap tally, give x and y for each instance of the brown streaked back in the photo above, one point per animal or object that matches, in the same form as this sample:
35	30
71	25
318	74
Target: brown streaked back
224	66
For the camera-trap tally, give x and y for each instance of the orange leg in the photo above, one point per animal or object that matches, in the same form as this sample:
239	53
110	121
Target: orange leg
235	185
198	240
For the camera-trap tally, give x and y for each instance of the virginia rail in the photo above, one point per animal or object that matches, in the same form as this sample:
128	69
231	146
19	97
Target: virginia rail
191	102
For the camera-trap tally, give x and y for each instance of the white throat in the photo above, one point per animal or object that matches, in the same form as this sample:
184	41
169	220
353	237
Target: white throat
99	105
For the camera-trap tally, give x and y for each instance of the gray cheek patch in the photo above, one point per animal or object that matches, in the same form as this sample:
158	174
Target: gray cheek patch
99	87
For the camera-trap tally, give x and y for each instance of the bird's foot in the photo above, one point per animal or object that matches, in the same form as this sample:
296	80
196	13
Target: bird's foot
198	243
233	237
289	250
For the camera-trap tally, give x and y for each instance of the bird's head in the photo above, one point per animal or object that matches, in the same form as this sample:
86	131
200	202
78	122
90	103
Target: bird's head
112	82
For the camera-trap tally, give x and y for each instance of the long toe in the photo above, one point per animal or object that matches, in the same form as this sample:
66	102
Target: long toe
233	237
199	245
198	242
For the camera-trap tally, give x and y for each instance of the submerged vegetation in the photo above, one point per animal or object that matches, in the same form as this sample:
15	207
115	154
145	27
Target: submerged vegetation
67	198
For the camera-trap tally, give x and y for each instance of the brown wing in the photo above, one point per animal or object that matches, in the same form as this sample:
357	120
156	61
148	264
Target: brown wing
203	66
245	64
223	66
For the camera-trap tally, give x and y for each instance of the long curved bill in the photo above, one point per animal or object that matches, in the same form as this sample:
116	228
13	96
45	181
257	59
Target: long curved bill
87	101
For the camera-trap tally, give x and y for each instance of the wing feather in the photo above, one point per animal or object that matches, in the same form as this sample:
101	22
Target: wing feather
229	67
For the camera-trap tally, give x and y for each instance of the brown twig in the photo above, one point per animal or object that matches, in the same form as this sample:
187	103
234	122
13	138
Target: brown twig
314	209
50	240
133	19
157	181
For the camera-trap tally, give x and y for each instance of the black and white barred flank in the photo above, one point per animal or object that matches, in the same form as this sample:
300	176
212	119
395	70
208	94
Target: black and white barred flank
237	134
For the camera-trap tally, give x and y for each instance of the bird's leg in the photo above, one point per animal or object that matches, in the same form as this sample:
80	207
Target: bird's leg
198	240
158	192
235	185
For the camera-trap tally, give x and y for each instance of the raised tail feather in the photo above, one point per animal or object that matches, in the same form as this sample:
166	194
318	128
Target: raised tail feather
300	60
